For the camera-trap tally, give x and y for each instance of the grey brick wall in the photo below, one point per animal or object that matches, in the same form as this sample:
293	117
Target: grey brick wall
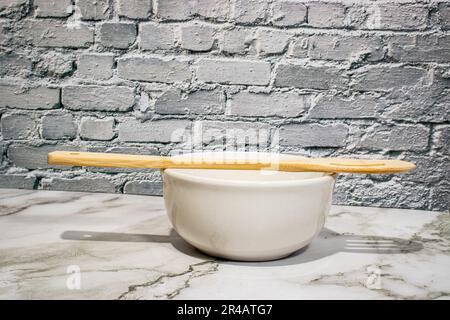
333	78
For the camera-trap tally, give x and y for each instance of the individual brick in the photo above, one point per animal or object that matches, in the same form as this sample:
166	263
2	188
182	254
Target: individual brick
154	69
440	193
396	138
132	130
420	48
79	185
384	78
31	157
313	135
342	47
144	187
16	64
309	77
180	10
429	169
135	9
326	15
197	37
285	104
98	98
157	37
233	71
3	36
54	64
32	98
381	194
213	9
428	103
17	126
197	102
96	66
442	138
94	10
271	42
234	133
58	126
248	12
236	40
117	35
327	106
52	8
444	15
288	13
386	16
50	33
97	129
17	182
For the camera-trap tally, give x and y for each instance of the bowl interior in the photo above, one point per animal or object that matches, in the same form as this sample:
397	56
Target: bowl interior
241	175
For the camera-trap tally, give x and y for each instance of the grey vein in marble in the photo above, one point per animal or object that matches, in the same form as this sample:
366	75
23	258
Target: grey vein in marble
125	248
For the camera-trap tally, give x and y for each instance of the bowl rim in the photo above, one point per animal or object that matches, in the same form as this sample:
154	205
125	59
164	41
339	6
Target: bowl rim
183	175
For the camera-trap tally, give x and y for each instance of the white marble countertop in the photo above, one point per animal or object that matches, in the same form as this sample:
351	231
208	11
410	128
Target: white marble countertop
124	248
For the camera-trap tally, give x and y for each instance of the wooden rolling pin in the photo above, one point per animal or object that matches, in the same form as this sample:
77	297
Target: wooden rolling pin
92	159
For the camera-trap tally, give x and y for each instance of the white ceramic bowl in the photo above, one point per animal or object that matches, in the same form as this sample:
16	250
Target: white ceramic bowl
247	215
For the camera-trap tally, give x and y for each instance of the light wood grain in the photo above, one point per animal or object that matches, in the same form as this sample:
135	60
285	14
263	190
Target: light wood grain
92	159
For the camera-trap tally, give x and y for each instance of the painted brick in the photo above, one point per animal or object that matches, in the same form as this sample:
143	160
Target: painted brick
13	8
197	37
309	77
3	33
157	37
180	10
52	8
17	182
417	48
15	64
234	132
79	185
338	107
135	9
444	15
236	40
117	35
143	187
336	47
271	42
440	193
197	102
396	138
254	11
387	16
154	69
97	129
98	98
326	15
384	78
284	104
49	33
442	138
96	66
131	130
233	71
94	10
313	135
288	13
58	126
17	126
32	157
31	98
